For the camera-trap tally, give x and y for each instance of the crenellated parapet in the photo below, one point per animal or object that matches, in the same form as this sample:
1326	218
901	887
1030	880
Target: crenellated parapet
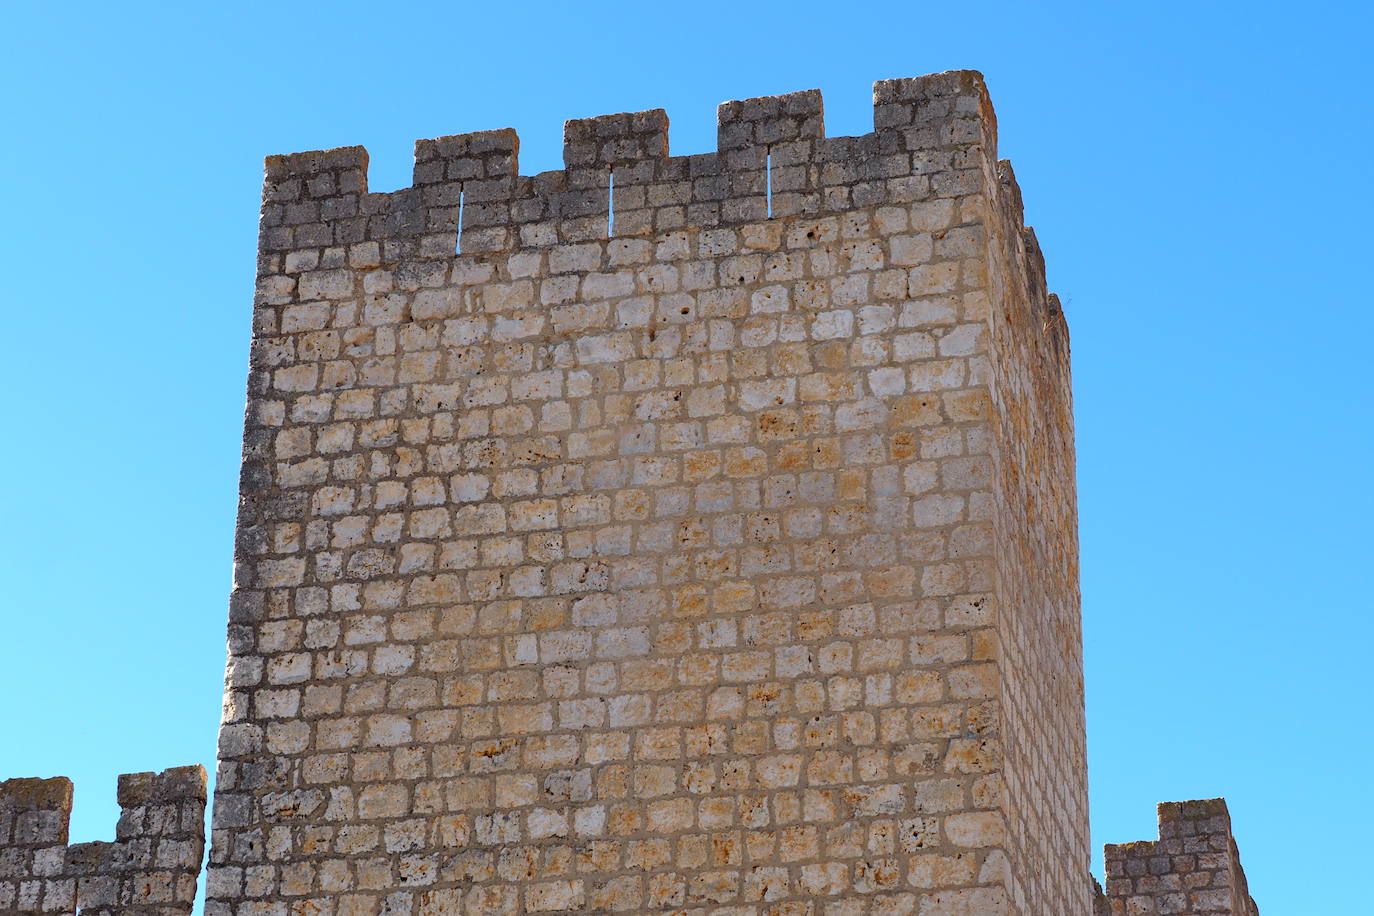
150	869
772	159
1193	868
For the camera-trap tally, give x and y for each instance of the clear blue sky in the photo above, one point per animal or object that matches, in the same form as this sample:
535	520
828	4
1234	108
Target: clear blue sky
1198	175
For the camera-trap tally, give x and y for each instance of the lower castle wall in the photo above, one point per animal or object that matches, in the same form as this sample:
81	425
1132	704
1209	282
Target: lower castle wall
149	870
1193	868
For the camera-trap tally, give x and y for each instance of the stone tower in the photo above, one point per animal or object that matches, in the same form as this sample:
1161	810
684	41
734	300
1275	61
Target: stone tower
662	534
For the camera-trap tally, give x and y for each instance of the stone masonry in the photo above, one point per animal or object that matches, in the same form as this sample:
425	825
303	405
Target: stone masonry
662	534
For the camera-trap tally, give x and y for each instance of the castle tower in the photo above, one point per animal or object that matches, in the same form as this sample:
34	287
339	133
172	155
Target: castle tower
695	535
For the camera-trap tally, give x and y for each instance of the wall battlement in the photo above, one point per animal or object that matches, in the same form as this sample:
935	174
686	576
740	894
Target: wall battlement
1193	868
150	869
778	143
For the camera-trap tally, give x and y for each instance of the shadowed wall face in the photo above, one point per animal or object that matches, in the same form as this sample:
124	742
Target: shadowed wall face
726	564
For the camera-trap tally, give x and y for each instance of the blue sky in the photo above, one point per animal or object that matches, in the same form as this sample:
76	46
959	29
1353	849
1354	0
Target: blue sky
1197	174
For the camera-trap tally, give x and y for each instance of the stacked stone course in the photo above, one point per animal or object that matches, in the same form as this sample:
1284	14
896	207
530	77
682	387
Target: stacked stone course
672	534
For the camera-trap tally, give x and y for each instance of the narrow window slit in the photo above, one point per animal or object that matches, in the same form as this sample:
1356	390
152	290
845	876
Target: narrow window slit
458	242
770	185
610	207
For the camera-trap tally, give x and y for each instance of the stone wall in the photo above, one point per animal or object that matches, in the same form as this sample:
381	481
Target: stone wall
149	870
689	568
1193	868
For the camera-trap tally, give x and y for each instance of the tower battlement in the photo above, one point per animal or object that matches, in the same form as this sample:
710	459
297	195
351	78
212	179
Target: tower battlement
772	158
